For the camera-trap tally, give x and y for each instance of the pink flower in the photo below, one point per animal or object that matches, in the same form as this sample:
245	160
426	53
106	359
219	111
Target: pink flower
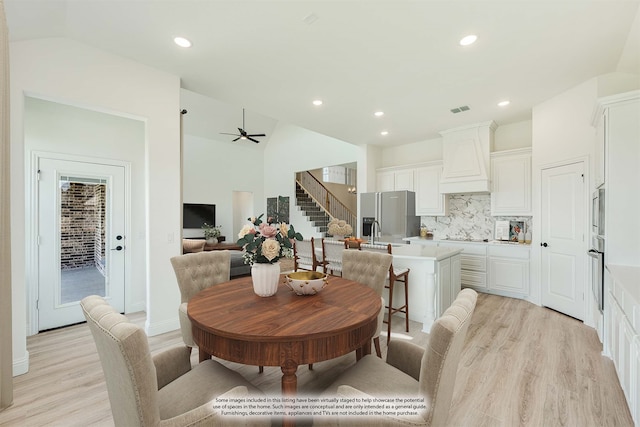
267	230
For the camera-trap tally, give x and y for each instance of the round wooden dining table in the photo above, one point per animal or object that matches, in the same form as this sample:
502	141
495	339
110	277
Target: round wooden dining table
231	322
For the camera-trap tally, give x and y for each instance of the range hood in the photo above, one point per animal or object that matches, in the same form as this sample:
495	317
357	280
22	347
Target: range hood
466	158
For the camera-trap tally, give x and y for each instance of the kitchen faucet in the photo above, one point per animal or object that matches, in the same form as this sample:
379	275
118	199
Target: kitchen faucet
373	231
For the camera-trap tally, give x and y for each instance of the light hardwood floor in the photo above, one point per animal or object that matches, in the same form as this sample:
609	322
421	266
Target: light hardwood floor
522	365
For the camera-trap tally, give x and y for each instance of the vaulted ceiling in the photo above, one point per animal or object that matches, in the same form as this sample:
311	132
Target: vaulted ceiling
400	57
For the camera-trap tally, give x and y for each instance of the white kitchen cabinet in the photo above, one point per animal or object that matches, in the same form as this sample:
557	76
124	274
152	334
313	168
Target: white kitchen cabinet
473	264
622	136
509	269
511	183
599	157
395	180
622	334
423	179
496	268
448	271
429	200
404	180
385	181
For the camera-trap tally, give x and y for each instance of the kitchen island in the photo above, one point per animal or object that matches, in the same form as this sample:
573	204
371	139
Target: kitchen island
434	280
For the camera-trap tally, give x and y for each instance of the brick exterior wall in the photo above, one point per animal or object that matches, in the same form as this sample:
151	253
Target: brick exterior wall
82	226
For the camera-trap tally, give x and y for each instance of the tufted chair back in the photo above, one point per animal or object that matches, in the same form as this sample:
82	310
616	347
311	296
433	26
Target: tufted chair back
442	354
371	269
196	272
126	360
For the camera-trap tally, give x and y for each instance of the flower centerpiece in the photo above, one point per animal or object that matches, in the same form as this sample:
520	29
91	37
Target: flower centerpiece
211	232
339	228
264	244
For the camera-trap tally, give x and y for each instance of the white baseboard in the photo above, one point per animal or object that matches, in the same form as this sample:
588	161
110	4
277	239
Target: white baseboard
137	307
162	327
21	365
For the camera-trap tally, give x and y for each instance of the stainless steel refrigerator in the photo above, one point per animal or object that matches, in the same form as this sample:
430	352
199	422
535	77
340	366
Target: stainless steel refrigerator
391	215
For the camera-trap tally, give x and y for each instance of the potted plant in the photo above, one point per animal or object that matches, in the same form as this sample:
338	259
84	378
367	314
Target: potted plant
211	233
264	244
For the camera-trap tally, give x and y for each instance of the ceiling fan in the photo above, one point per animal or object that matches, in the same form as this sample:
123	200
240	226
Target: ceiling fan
243	134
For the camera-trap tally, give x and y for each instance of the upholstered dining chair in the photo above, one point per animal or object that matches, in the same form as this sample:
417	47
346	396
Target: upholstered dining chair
195	272
368	268
159	390
395	275
410	371
304	255
332	256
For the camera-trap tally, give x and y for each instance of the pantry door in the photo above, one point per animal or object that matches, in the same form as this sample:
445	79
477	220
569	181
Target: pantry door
81	241
563	242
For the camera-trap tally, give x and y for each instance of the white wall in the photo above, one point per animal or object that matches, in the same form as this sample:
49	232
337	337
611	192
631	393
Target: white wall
59	128
507	137
215	169
513	136
70	72
562	132
416	152
292	149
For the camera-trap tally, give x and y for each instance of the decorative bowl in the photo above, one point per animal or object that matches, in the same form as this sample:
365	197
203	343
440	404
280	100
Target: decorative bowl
306	282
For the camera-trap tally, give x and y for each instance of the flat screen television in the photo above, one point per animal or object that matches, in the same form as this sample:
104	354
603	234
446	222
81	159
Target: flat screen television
194	215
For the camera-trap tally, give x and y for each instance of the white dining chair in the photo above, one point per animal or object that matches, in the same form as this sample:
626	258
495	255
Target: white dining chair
304	255
332	256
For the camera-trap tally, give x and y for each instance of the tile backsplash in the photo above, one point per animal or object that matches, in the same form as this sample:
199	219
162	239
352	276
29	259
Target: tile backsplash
469	218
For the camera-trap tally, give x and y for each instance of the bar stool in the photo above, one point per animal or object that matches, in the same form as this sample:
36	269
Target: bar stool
332	256
400	275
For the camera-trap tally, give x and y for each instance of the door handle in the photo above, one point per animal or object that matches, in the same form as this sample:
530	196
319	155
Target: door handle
594	254
117	248
544	244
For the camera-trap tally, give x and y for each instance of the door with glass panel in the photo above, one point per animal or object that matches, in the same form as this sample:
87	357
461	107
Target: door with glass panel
81	241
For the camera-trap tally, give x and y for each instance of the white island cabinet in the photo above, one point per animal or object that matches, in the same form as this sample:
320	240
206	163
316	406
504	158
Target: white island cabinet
434	280
492	267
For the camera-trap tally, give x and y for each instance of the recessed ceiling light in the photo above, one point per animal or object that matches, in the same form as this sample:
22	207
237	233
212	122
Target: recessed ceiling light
384	132
503	103
467	40
379	113
317	102
182	42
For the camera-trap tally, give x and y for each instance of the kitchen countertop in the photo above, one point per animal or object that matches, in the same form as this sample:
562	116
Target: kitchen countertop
428	252
474	242
627	276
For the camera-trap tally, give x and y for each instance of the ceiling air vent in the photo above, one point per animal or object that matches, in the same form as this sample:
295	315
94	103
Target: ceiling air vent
460	109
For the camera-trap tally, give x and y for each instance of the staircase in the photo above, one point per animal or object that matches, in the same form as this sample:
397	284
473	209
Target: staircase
312	211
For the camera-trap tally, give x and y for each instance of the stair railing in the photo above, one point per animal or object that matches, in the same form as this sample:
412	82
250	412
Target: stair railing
325	199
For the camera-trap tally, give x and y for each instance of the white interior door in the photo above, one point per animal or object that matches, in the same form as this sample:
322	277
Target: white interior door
81	242
563	239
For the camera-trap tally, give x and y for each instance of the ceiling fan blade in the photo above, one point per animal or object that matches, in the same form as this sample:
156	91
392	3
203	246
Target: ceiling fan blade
254	140
258	134
242	132
236	139
224	133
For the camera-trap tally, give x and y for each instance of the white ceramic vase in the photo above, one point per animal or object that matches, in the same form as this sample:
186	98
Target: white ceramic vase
212	240
265	278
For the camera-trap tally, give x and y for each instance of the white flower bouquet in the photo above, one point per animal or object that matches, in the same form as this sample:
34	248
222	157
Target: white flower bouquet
266	243
339	227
